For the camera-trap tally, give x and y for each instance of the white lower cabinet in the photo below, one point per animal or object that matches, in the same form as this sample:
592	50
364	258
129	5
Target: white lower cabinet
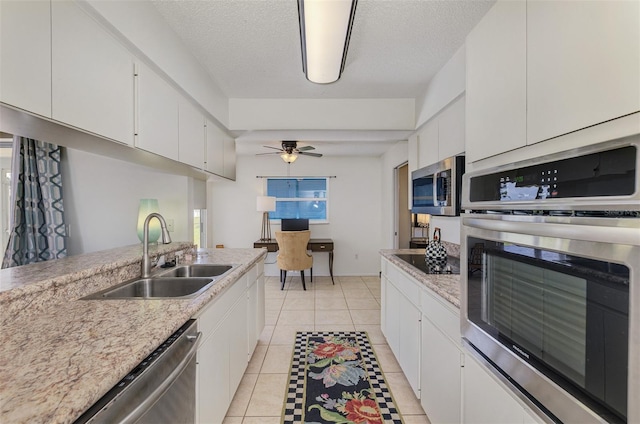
487	401
402	330
227	325
213	396
409	357
440	375
256	311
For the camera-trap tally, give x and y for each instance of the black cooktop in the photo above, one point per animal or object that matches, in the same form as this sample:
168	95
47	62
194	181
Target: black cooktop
419	261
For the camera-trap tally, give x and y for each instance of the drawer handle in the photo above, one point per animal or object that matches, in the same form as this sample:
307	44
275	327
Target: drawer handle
322	247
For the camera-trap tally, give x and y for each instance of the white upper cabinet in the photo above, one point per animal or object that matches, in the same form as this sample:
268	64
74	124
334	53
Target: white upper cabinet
537	70
157	117
229	158
191	135
92	75
496	82
443	136
25	55
215	149
583	64
428	144
451	130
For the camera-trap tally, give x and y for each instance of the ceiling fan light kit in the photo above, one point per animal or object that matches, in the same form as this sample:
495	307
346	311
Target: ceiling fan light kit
289	157
325	30
289	151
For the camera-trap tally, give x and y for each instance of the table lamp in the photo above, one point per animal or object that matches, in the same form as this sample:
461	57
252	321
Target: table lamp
266	204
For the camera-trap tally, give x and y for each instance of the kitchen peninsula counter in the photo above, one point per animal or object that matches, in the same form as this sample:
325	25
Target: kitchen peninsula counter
446	286
57	361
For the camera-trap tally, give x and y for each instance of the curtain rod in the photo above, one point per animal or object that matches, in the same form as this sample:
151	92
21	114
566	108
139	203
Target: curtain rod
296	176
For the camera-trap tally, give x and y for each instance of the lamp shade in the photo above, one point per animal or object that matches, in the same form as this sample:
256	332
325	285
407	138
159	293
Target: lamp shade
266	204
325	30
146	207
423	219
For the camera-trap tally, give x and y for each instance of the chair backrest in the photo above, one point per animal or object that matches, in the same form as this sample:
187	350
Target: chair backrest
292	250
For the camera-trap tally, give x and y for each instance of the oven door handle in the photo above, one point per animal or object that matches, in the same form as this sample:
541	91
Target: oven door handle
538	227
157	393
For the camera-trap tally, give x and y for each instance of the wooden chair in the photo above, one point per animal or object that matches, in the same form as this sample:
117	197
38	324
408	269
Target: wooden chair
292	254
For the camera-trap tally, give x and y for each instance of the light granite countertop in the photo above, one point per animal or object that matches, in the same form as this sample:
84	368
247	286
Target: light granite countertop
56	363
445	285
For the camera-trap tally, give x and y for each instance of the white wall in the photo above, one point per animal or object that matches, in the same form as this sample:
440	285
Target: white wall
444	87
101	198
355	199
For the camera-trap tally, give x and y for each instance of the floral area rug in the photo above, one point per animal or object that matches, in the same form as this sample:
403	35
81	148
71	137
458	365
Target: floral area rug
335	378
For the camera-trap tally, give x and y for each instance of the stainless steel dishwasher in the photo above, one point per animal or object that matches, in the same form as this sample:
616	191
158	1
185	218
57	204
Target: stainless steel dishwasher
161	389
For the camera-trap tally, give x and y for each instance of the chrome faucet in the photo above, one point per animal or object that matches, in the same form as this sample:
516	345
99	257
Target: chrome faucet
166	239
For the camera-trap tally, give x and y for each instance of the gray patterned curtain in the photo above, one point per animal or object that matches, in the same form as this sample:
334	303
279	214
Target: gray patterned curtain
38	232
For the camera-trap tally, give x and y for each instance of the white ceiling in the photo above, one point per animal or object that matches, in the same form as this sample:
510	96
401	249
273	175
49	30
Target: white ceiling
251	48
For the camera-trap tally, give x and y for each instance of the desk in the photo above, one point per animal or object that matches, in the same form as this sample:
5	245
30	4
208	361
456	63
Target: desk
315	245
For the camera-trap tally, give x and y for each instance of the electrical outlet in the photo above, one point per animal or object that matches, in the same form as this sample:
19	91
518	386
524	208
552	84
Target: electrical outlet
170	225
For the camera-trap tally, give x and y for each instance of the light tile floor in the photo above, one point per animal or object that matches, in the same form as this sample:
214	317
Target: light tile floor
352	304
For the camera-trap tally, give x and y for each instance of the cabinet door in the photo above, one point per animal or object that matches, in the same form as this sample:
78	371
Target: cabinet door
157	115
252	317
25	55
392	318
440	363
92	75
485	400
583	64
214	396
451	130
238	343
215	149
496	82
229	158
428	144
409	341
260	307
191	135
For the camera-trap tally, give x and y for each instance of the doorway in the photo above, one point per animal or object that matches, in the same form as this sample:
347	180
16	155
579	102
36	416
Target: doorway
403	214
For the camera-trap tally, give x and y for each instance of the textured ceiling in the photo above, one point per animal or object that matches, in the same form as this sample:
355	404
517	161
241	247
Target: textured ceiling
251	48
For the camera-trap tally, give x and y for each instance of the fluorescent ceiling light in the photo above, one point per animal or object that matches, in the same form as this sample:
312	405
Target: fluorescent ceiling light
325	30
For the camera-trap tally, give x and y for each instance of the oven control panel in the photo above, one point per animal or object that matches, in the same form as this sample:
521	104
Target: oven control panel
606	173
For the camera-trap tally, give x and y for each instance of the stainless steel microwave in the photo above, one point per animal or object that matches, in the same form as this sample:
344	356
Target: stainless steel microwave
436	188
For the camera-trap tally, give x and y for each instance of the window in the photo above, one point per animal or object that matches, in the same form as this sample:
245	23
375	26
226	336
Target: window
299	198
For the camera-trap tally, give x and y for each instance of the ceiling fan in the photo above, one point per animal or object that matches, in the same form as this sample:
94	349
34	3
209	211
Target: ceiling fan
290	151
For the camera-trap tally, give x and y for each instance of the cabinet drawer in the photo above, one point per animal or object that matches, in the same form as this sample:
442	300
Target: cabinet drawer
446	318
406	286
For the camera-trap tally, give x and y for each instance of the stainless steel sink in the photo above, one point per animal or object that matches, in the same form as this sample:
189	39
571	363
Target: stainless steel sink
157	287
197	270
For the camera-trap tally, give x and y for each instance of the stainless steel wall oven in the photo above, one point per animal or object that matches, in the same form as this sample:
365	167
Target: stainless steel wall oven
550	279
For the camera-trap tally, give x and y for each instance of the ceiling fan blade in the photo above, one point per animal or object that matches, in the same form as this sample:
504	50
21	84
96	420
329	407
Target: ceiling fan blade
315	155
270	153
275	148
304	148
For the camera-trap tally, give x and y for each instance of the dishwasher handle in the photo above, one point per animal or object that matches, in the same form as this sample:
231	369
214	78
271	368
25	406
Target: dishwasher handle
157	393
